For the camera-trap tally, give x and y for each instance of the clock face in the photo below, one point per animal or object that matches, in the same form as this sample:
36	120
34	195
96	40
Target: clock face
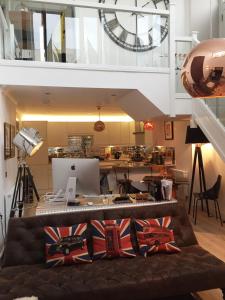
135	31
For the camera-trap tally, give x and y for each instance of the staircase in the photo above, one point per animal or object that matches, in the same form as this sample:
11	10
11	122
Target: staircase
210	116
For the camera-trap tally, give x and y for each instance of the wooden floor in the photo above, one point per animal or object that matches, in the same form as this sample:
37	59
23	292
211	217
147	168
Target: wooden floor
211	236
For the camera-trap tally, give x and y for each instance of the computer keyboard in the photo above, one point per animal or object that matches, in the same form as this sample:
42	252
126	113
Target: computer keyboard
122	200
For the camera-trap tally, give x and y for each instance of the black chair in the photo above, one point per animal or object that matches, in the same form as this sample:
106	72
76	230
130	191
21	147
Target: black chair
211	194
122	179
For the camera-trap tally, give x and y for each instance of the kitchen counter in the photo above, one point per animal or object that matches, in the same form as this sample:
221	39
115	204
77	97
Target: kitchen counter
131	165
97	203
114	170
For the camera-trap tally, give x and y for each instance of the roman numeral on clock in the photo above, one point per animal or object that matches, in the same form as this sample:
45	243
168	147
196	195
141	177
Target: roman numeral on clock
167	2
123	35
157	1
137	41
112	24
150	39
164	30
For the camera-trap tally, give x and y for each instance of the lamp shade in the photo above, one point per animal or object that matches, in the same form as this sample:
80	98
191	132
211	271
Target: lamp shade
195	136
99	126
203	72
148	125
28	140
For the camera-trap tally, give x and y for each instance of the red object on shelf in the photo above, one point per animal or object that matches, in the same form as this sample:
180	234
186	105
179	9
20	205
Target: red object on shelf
148	125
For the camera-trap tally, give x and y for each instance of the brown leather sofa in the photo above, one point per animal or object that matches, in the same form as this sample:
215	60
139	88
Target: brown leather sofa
161	275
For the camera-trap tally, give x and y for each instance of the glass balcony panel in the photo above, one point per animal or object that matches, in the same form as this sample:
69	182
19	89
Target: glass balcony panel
59	33
182	49
217	106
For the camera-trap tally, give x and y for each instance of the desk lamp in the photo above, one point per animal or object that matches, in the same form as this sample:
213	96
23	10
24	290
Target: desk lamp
28	142
197	137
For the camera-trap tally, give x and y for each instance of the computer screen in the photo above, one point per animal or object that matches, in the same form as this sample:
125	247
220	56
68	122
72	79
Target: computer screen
86	170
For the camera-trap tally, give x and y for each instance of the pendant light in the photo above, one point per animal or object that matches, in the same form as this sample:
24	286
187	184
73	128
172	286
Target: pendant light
148	125
99	125
203	73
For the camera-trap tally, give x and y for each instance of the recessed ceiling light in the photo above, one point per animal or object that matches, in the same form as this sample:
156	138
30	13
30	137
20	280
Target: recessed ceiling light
75	118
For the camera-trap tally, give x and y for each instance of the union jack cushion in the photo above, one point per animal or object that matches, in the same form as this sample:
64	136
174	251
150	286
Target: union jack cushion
66	245
111	238
155	235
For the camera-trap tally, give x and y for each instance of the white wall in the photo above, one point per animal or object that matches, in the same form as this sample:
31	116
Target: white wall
1	41
114	133
7	114
183	152
201	16
182	20
192	15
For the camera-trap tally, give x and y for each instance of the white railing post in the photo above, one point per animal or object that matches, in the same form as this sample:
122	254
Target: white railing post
172	78
195	40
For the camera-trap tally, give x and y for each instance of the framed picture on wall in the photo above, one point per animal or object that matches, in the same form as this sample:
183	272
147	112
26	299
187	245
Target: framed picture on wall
168	130
7	141
12	146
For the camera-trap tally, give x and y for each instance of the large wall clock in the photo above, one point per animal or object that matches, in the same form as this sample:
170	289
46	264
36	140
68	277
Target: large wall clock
135	31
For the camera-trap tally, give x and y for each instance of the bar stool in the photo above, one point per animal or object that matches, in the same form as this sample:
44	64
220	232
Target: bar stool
210	194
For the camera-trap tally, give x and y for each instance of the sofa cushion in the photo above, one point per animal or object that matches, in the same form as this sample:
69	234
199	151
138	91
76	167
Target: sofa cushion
138	279
66	245
155	235
27	234
111	238
183	231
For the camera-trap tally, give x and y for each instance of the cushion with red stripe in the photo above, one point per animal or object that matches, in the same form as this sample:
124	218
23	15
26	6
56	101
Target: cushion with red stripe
155	235
66	245
111	238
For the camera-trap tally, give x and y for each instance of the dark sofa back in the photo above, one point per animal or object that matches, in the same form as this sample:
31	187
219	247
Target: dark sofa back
25	240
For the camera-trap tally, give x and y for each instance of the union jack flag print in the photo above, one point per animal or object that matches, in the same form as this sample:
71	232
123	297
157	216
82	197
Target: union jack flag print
155	235
66	245
111	238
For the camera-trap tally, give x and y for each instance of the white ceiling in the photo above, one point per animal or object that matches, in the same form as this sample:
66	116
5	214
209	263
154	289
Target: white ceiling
67	101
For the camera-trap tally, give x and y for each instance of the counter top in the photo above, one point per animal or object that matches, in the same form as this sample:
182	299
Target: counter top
131	165
98	203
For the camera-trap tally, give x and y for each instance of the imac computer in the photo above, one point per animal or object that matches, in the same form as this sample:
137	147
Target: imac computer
86	171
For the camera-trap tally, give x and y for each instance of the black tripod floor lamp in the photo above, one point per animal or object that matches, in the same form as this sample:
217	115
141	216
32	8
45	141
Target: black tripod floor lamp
197	137
28	143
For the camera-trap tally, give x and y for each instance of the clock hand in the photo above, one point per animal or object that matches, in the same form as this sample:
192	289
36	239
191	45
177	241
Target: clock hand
146	4
154	4
142	7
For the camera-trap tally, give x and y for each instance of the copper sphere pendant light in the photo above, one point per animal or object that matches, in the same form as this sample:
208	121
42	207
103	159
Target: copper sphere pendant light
99	125
203	72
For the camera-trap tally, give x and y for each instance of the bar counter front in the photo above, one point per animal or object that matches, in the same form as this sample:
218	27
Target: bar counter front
92	203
